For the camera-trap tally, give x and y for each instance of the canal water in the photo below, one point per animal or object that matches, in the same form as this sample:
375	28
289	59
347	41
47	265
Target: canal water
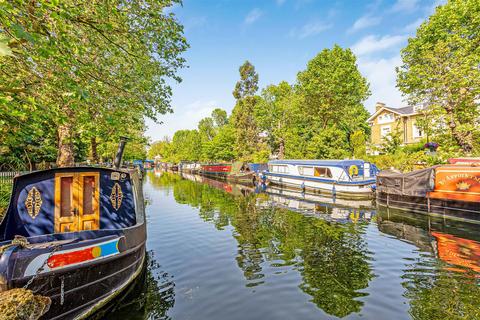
223	251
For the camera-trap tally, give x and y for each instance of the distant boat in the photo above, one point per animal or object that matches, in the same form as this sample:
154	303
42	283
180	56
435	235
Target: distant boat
219	170
75	235
342	178
447	190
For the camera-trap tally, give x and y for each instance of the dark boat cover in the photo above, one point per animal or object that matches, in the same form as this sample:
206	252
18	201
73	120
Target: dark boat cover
415	183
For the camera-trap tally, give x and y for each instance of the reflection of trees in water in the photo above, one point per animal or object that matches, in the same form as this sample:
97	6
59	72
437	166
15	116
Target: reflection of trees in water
435	288
149	297
332	258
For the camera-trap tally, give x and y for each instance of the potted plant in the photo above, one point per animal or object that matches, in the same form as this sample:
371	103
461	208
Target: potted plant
431	146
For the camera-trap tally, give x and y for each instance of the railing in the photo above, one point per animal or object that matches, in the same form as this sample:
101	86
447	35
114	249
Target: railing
6	183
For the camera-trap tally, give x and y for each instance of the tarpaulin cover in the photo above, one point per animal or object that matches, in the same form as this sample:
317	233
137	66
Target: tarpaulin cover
415	183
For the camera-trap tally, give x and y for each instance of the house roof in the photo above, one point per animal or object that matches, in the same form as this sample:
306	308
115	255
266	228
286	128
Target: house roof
410	110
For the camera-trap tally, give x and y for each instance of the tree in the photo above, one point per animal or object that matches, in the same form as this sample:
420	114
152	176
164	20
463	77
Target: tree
441	70
219	117
246	142
334	90
275	115
73	62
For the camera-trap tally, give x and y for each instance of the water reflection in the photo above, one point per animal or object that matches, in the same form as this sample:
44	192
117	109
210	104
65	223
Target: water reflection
150	296
348	258
332	258
443	282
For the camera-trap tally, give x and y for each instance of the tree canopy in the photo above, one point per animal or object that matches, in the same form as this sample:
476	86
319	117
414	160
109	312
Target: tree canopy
441	73
77	74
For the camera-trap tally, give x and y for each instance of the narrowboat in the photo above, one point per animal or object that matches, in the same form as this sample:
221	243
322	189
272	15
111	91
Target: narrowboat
75	235
451	190
189	167
218	170
242	172
340	178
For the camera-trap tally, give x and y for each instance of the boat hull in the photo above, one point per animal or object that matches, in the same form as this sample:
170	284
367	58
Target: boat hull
446	208
85	287
357	190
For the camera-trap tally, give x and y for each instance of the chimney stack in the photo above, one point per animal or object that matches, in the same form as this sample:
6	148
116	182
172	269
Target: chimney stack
379	105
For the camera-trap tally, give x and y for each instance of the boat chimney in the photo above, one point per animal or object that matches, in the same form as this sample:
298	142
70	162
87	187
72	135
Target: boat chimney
118	157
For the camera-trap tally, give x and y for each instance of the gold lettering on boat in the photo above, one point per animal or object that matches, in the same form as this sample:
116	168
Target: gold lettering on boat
33	203
116	196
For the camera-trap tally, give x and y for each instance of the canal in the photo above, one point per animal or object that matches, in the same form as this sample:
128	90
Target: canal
223	251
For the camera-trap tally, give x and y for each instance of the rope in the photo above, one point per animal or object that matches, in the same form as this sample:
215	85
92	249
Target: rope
20	241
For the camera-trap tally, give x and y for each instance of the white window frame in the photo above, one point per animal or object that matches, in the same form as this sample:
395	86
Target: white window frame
382	133
386	118
416	132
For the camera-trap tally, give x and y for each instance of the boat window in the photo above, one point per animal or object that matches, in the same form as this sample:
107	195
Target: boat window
323	172
278	169
88	194
66	195
305	171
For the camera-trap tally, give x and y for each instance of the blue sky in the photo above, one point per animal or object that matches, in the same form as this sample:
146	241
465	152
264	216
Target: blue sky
279	37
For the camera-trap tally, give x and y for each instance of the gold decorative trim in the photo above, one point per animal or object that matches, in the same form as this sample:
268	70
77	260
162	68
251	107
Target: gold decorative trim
33	203
116	196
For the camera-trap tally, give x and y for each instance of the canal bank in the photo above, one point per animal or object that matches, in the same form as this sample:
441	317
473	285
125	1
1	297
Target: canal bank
227	252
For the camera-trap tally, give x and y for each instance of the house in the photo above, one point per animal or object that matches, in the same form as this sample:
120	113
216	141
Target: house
388	120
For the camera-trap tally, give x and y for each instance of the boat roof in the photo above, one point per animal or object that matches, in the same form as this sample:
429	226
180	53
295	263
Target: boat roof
73	169
333	163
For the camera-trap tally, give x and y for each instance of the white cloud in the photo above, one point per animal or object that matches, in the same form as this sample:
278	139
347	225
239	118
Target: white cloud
253	16
381	75
280	2
405	6
412	27
184	117
310	29
365	22
373	43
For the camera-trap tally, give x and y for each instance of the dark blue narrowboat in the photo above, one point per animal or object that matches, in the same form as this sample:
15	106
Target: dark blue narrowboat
76	235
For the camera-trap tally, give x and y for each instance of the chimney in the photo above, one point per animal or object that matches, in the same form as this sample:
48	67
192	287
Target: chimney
379	105
118	157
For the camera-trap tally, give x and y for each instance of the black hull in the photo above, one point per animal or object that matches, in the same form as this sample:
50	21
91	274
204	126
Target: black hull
89	288
452	209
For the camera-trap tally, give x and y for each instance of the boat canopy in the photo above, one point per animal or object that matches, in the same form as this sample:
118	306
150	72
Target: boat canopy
66	200
416	183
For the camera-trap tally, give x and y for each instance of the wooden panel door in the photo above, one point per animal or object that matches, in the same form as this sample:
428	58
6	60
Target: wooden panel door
66	199
77	197
89	208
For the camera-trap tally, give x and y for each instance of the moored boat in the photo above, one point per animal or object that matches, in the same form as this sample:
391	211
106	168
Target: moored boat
341	178
75	235
446	190
219	170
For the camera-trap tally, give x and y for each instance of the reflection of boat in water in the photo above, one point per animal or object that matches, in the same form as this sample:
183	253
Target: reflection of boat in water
335	209
219	184
457	243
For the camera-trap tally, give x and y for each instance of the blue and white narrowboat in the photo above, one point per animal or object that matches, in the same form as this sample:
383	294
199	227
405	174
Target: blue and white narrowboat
342	178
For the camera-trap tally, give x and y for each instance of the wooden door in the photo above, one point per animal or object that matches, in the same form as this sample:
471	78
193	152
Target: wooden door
89	208
77	201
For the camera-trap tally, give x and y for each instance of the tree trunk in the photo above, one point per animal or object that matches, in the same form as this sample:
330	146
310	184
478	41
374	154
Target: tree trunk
65	156
462	140
281	150
94	153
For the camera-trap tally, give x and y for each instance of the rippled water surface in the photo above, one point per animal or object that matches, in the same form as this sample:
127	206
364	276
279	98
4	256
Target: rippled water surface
223	251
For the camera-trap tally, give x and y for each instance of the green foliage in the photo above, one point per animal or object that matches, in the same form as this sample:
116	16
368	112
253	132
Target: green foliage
243	118
314	118
78	76
440	71
358	142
